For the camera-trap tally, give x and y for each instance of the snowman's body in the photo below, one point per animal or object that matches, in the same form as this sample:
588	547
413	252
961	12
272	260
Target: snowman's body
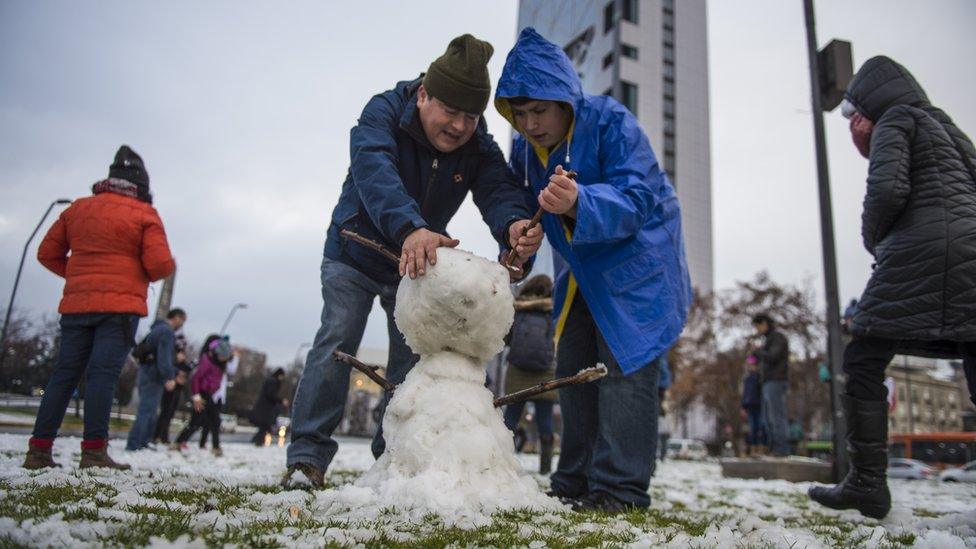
447	448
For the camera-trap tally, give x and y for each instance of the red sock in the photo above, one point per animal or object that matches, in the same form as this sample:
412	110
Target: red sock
94	444
41	443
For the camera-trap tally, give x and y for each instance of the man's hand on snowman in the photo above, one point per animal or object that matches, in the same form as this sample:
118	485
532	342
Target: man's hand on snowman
419	248
559	196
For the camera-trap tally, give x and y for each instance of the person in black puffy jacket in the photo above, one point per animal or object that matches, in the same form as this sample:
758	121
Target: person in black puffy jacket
919	223
531	361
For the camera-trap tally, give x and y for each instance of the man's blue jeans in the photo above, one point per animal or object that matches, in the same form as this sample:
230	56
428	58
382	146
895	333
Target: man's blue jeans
774	410
150	395
756	434
93	344
348	297
610	436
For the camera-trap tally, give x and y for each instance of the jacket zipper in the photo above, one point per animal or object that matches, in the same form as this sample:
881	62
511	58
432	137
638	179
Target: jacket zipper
430	185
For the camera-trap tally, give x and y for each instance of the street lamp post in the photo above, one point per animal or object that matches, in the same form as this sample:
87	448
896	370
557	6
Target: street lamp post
223	329
20	268
827	86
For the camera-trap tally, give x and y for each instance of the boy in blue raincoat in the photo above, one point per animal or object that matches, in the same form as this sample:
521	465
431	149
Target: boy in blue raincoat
622	288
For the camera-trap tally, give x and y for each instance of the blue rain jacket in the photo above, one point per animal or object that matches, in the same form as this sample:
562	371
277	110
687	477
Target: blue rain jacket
399	182
625	251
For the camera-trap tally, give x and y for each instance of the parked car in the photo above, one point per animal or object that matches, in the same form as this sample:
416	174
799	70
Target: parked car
910	469
966	473
228	423
687	448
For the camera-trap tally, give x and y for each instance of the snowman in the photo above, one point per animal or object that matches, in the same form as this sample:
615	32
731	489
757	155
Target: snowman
447	448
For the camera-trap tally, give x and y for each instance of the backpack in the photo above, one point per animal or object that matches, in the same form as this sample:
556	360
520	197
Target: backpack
145	351
531	346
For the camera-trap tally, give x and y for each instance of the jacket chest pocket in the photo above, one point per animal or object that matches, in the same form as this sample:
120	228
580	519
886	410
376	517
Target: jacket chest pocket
637	284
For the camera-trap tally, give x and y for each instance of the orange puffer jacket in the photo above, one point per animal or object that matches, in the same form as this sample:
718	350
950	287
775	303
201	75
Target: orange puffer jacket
117	247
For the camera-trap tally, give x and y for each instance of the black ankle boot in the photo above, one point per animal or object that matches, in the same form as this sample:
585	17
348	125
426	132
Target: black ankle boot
865	488
545	454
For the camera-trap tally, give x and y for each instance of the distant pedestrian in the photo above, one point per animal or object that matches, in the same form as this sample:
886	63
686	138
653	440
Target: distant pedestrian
172	398
752	407
264	414
208	387
774	355
531	360
107	247
919	223
156	374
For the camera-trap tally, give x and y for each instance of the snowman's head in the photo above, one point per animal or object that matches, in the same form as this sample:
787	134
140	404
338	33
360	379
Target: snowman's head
462	304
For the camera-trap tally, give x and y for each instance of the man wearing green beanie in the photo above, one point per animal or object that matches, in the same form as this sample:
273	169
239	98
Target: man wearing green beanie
417	151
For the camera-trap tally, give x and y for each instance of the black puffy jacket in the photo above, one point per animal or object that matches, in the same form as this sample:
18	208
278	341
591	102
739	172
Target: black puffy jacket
919	219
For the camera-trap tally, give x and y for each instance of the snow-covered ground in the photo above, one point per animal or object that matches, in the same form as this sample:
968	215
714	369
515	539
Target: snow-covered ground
196	498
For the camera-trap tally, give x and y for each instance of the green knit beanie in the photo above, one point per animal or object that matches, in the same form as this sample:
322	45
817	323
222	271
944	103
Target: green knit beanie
459	78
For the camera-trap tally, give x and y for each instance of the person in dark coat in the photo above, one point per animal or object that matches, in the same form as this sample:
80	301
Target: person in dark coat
919	223
172	397
416	152
264	414
531	361
752	405
774	356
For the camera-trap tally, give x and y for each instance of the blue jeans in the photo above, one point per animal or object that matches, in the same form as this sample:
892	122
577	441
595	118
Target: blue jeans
93	344
543	416
756	433
150	395
321	395
610	433
774	410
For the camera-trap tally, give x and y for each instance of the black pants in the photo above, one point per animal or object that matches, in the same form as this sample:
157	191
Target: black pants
258	438
208	418
167	409
865	360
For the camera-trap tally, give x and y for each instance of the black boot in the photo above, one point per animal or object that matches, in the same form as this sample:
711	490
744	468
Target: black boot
545	454
865	488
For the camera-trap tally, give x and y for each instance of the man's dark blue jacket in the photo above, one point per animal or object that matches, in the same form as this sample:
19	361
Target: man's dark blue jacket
399	182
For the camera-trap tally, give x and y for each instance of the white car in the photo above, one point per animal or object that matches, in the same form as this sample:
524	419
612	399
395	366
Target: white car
687	448
966	473
910	469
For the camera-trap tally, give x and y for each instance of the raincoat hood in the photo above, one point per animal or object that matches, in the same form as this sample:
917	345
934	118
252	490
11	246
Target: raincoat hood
881	84
539	69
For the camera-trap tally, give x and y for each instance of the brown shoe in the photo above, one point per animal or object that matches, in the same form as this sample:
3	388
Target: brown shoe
39	458
217	452
315	476
98	457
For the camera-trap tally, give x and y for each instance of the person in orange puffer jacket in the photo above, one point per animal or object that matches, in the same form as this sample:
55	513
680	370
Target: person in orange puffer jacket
108	247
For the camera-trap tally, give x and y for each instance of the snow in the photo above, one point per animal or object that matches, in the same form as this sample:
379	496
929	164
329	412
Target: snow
462	304
739	512
447	448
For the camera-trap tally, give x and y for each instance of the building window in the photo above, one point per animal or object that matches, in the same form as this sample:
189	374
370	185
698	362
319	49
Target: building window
669	163
668	107
630	11
608	15
668	4
609	92
668	19
668	70
668	36
668	144
668	125
668	53
668	87
608	60
628	94
628	51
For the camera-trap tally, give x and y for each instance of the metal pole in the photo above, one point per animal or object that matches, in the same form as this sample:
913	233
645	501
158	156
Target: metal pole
223	329
13	293
911	408
835	351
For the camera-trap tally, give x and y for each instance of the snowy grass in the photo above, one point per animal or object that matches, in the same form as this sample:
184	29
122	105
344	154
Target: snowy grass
196	499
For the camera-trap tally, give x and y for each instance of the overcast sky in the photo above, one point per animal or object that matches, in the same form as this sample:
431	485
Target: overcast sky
242	113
